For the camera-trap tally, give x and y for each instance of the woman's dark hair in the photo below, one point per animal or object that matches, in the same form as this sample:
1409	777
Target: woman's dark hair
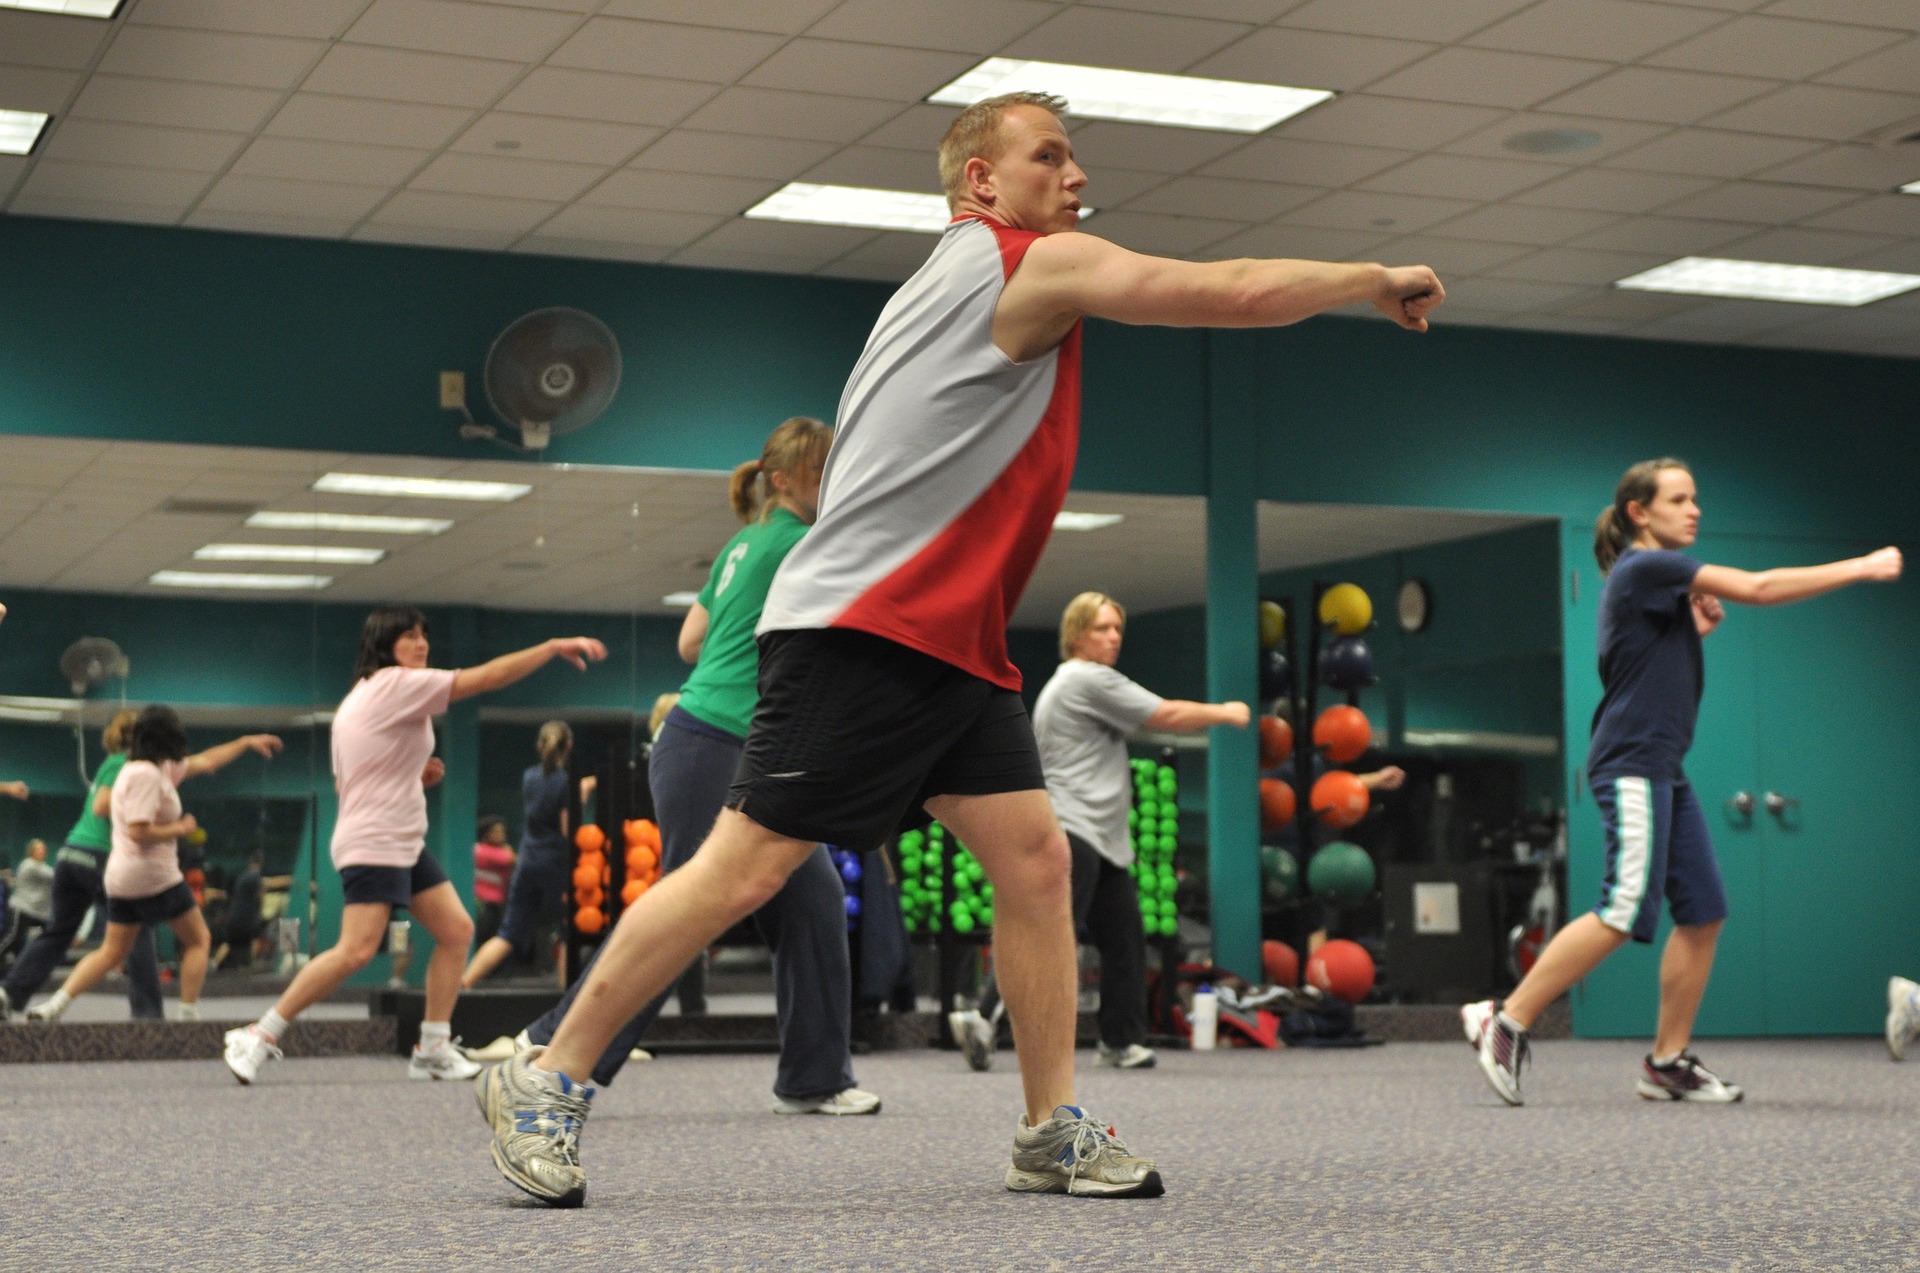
383	627
488	821
1613	529
158	735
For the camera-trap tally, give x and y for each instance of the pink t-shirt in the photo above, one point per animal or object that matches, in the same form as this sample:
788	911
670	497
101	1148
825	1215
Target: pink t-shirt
144	792
382	740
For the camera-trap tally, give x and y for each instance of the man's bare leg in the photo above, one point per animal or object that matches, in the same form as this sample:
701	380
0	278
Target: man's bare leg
735	871
1025	854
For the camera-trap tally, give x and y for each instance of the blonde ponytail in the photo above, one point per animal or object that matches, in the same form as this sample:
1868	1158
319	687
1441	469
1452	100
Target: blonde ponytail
555	745
798	448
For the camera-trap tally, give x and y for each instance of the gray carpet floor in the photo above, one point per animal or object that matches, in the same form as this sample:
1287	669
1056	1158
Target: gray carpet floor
1391	1158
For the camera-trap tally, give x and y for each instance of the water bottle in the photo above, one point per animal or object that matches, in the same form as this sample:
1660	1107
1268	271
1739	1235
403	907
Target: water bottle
1206	1018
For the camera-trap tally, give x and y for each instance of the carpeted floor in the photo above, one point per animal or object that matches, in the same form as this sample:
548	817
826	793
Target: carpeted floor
1391	1158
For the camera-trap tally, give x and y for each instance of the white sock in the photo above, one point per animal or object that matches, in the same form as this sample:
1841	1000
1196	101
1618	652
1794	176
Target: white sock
1511	1024
435	1034
189	1011
56	1003
273	1025
1662	1062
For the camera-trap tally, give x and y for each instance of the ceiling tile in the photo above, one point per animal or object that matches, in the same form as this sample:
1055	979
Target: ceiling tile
12	168
36	88
788	17
1164	235
1448	257
1895	69
979	26
1628	306
1819	110
1860	167
98	141
303	159
878	168
314	19
1888	214
1220	10
919	127
321	117
164	53
50	40
1618	30
470	238
862	70
1901	258
1509	223
1486	77
1116	37
848	267
237	192
1898	14
591	249
1732	316
305	227
1577	265
785	238
1802	246
1765	202
665	49
1700	151
1442	22
1510	295
1310	59
112	183
733	154
1368	210
621	99
27	204
1665	235
1611	190
357	70
462	173
1220	197
547	137
1462	177
1783	47
1308	163
1665	96
708	257
1615	135
778	113
1399	121
470	30
679	192
1111	187
1299	241
173	103
894	249
1148	147
648	227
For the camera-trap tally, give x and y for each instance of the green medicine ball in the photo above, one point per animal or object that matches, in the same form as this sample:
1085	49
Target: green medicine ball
1279	873
1341	871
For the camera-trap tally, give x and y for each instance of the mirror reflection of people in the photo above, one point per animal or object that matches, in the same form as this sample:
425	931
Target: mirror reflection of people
143	880
383	763
1658	604
29	899
244	902
78	889
1081	722
493	860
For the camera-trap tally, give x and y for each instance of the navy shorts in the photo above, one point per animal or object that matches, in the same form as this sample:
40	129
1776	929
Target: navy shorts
1657	846
541	877
394	886
157	909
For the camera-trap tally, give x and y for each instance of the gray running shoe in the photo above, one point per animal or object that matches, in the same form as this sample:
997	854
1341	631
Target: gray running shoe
847	1101
1502	1049
974	1033
1074	1153
1685	1079
537	1118
1134	1056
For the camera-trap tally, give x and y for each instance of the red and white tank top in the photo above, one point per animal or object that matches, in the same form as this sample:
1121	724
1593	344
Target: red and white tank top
949	462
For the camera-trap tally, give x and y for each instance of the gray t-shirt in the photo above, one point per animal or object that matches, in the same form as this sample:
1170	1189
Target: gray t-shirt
33	889
1081	722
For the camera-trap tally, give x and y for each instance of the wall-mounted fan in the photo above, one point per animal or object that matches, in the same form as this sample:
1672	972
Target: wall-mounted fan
91	662
549	373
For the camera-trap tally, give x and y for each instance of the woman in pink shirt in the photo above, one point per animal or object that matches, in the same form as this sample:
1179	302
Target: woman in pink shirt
492	867
383	762
143	880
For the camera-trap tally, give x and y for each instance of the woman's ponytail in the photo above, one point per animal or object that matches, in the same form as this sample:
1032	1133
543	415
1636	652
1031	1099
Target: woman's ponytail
744	492
797	448
1613	529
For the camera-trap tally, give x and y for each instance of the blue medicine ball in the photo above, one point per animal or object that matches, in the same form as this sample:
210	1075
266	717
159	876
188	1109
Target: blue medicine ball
1347	664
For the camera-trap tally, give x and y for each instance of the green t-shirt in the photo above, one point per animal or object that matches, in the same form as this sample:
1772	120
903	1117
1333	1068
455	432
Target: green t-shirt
94	831
725	685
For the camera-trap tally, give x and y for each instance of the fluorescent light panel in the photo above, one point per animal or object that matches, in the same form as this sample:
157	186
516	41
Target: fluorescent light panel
19	130
222	579
1137	97
1767	281
1912	187
367	523
419	487
72	8
680	599
1065	520
303	554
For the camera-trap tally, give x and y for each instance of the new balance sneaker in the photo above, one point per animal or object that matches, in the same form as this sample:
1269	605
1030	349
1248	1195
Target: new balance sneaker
1903	1015
848	1101
1499	1045
444	1060
1074	1153
1132	1057
974	1033
247	1050
1685	1079
537	1118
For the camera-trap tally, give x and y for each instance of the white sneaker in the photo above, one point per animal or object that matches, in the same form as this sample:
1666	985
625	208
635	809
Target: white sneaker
1501	1049
1474	1018
974	1035
1132	1057
639	1055
500	1049
442	1061
1903	1018
49	1009
246	1051
850	1101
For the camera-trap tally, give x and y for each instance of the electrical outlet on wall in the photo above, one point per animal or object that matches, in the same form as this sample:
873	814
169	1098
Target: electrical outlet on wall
453	389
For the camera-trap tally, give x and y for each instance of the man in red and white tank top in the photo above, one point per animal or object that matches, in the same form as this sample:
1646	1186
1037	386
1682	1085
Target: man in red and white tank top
886	691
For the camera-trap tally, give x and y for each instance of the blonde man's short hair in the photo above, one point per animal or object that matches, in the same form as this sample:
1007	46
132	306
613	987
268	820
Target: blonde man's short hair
977	134
1079	616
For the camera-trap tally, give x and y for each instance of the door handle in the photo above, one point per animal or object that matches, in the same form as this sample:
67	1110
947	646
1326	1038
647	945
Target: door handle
1742	803
1778	804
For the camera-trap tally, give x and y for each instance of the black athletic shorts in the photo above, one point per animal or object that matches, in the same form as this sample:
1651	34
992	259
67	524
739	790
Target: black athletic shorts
159	908
855	732
394	886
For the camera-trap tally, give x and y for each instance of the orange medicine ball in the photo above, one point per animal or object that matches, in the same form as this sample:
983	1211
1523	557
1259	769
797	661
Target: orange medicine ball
589	920
1276	741
590	838
1340	798
1343	732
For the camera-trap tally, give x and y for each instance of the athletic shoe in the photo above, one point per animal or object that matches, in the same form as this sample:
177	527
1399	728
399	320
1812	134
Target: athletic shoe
1132	1057
47	1011
1903	1017
1685	1079
1273	998
442	1061
848	1101
1076	1154
500	1049
247	1050
1500	1048
639	1055
537	1118
974	1034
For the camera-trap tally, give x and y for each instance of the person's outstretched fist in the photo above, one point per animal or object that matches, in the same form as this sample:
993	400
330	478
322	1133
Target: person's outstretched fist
578	650
1408	293
1883	566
